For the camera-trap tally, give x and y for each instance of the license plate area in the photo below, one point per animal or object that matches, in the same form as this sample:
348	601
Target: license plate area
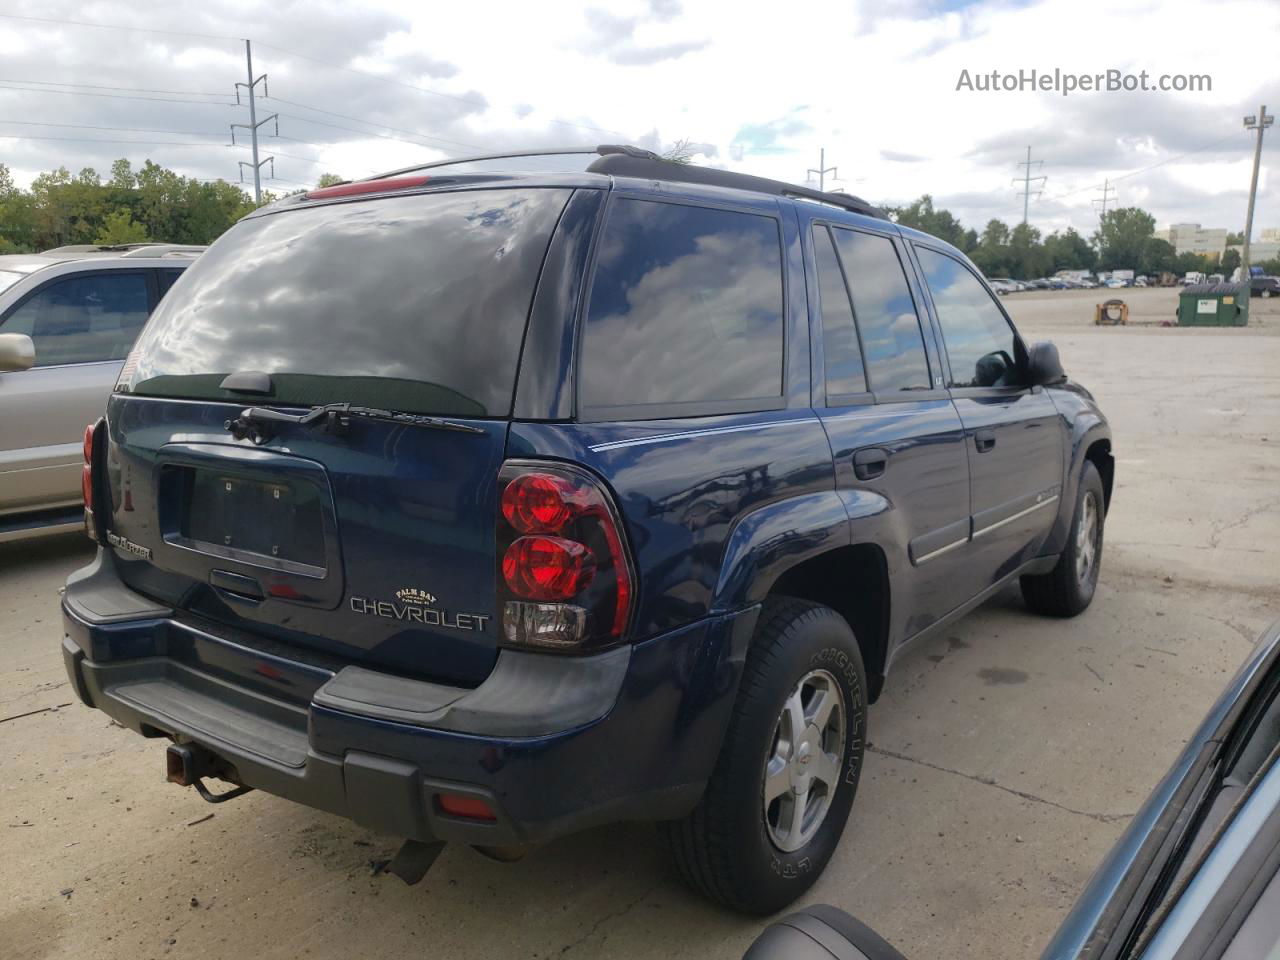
240	513
282	521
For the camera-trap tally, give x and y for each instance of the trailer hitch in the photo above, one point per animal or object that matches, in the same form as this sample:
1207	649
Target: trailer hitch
187	765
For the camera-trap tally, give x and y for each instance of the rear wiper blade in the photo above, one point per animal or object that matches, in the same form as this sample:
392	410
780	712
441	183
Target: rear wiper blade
256	423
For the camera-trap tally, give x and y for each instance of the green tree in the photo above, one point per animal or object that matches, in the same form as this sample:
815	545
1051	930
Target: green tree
1159	255
120	228
330	180
1122	236
1230	260
922	216
1069	251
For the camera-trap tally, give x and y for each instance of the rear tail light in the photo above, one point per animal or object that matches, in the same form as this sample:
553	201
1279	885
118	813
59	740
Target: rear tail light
565	579
87	484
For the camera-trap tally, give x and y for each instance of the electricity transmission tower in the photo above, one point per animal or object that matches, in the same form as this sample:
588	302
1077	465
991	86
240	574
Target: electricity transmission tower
1108	192
822	170
253	125
1026	180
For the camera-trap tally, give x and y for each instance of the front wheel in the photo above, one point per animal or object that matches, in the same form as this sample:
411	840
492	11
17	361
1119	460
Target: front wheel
778	799
1068	588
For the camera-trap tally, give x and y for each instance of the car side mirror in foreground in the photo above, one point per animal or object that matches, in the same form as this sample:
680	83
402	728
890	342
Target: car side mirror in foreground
17	352
820	932
1043	365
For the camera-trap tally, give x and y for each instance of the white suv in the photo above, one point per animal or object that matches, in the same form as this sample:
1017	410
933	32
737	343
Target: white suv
68	318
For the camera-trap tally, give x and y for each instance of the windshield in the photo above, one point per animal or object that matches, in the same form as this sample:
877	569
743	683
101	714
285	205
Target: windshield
413	303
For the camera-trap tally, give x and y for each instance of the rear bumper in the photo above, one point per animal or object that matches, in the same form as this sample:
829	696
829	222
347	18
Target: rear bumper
554	744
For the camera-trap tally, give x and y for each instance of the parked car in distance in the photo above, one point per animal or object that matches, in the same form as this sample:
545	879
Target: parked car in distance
1195	874
1192	277
68	318
1216	278
620	505
1264	286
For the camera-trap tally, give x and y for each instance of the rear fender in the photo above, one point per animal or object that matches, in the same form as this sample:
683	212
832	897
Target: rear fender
769	541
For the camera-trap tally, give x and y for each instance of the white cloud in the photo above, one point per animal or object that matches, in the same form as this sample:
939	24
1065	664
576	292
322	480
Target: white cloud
872	83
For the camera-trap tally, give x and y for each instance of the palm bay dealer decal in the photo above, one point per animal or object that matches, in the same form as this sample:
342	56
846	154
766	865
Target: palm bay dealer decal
418	606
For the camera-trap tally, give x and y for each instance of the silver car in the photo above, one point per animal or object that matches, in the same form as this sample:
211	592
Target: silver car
68	318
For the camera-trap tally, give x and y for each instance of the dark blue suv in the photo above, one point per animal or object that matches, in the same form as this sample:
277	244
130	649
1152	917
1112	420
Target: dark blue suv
485	506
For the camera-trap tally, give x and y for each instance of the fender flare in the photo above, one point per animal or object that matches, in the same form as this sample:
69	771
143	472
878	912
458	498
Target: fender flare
1086	429
767	542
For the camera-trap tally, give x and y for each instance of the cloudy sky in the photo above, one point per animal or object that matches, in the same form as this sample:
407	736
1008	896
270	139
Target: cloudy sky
759	88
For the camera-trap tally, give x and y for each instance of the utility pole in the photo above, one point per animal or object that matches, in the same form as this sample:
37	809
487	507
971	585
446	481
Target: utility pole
1026	180
1107	191
253	125
822	170
1259	123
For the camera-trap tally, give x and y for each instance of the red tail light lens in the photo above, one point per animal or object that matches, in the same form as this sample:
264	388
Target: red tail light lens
566	578
86	471
540	502
547	568
91	525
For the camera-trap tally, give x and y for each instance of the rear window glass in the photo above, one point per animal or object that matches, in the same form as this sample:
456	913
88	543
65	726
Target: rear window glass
686	307
414	303
885	312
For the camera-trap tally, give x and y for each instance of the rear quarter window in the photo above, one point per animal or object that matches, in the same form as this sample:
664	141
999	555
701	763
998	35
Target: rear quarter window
685	309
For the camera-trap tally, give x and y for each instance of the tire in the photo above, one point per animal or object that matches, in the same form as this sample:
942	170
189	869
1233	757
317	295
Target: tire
735	849
1068	588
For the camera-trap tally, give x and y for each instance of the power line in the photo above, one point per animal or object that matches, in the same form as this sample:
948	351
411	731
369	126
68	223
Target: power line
1134	173
87	126
366	133
372	123
113	26
145	143
118	96
302	56
97	86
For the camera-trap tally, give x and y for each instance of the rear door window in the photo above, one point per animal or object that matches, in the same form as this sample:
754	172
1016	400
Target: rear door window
885	312
87	318
415	303
842	354
686	308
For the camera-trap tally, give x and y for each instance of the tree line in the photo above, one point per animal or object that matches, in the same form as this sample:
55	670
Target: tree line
154	203
129	206
1125	240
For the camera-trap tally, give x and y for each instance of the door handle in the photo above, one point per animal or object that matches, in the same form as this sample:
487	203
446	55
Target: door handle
869	464
984	440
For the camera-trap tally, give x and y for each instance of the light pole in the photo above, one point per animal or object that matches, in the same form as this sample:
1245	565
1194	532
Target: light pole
1259	123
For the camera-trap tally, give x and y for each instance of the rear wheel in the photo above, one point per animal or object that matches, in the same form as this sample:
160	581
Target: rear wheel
777	802
1069	587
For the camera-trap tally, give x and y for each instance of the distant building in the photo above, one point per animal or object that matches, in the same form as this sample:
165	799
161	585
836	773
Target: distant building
1193	238
1268	248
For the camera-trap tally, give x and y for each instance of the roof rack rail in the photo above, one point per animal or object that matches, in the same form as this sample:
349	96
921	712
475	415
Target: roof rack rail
624	160
151	250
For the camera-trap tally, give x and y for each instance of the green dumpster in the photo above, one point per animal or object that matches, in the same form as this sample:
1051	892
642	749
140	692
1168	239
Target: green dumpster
1214	305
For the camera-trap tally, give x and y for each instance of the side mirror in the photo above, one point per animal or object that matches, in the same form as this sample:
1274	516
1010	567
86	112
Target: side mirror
17	352
1043	365
820	932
